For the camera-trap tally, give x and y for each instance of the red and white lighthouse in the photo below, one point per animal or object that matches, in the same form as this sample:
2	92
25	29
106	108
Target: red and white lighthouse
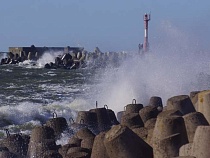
146	43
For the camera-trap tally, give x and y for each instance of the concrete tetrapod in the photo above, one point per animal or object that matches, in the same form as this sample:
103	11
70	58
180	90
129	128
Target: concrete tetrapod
84	133
16	144
87	143
192	121
168	147
133	108
194	99
150	124
104	122
148	112
99	149
87	118
119	115
112	117
58	124
142	132
168	127
132	120
39	149
186	150
200	147
155	101
7	154
204	104
181	103
122	142
184	157
40	133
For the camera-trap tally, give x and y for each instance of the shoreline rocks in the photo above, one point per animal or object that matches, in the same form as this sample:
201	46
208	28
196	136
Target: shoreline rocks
144	132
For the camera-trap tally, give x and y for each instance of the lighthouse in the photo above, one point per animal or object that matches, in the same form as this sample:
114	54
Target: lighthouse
146	19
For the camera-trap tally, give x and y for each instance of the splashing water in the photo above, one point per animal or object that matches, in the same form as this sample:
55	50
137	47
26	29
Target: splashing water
170	68
2	55
48	57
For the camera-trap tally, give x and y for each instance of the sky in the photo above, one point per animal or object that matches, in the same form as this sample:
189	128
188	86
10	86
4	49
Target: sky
111	25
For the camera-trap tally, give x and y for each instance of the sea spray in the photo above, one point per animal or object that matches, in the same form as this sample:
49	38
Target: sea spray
172	67
48	57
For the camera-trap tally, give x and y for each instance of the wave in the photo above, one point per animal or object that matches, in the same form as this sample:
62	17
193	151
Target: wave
170	68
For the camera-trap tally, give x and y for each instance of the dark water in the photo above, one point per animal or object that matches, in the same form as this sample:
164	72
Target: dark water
38	85
30	94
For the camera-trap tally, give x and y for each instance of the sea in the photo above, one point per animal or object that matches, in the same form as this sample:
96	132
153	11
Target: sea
30	94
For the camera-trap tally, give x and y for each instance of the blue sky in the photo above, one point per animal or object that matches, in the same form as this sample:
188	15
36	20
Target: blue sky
112	25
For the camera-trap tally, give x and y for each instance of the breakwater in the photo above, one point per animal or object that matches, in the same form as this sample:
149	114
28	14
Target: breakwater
68	58
178	129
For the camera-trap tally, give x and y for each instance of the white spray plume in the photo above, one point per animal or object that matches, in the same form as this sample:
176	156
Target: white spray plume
48	57
172	67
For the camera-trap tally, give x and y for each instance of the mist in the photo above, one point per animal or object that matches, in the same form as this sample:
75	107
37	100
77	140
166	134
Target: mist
175	65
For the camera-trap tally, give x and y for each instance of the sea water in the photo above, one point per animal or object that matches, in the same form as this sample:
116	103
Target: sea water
29	94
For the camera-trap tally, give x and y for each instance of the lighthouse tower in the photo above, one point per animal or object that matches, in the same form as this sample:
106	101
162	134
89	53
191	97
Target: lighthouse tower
146	43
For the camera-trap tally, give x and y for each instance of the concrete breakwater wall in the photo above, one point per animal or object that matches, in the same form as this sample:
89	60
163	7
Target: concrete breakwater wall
70	57
178	129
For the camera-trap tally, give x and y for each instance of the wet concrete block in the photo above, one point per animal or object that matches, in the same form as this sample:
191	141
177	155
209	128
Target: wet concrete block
133	108
142	132
150	124
168	146
84	133
104	122
119	115
120	141
40	133
192	121
155	101
132	120
194	99
200	147
181	103
99	149
204	104
58	124
169	125
148	112
186	150
87	143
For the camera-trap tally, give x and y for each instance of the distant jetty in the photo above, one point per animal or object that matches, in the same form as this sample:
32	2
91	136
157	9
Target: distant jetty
70	57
